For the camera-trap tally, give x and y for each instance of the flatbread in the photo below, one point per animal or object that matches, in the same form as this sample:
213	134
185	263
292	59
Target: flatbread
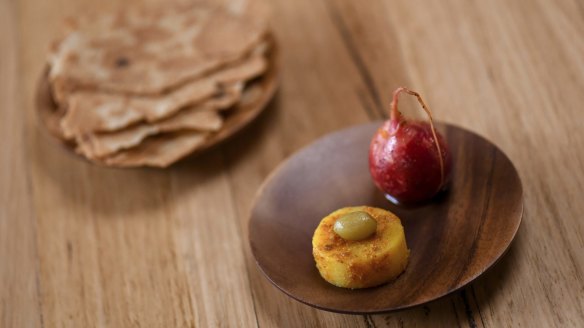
90	111
197	118
201	117
231	94
149	50
160	151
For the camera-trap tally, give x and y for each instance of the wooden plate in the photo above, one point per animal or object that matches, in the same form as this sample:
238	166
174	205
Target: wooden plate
452	239
235	119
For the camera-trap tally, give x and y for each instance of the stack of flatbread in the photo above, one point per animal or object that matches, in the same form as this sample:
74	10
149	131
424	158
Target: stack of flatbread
147	87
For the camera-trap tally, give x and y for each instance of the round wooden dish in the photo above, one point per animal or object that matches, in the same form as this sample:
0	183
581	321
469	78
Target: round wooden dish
453	239
235	119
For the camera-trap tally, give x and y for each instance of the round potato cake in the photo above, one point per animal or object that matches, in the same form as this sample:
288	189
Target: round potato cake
363	263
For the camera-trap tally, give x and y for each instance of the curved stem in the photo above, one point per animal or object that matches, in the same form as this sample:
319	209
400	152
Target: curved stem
395	117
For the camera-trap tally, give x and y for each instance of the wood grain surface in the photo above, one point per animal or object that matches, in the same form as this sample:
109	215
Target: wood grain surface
85	246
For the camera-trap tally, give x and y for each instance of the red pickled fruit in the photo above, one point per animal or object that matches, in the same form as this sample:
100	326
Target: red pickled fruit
409	161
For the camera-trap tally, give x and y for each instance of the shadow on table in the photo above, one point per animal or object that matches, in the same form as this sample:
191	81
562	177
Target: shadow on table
471	303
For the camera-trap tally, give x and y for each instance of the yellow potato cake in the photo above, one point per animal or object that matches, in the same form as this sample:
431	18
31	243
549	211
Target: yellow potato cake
372	261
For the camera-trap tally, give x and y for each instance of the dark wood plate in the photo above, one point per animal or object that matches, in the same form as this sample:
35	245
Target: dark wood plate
453	239
236	119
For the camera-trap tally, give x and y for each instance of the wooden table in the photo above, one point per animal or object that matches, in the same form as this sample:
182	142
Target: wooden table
84	246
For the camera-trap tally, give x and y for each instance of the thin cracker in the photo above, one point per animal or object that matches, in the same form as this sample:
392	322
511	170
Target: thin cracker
194	118
160	151
202	117
90	112
149	51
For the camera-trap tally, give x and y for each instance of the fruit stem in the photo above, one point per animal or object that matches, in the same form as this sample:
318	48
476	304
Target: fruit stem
396	119
395	116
